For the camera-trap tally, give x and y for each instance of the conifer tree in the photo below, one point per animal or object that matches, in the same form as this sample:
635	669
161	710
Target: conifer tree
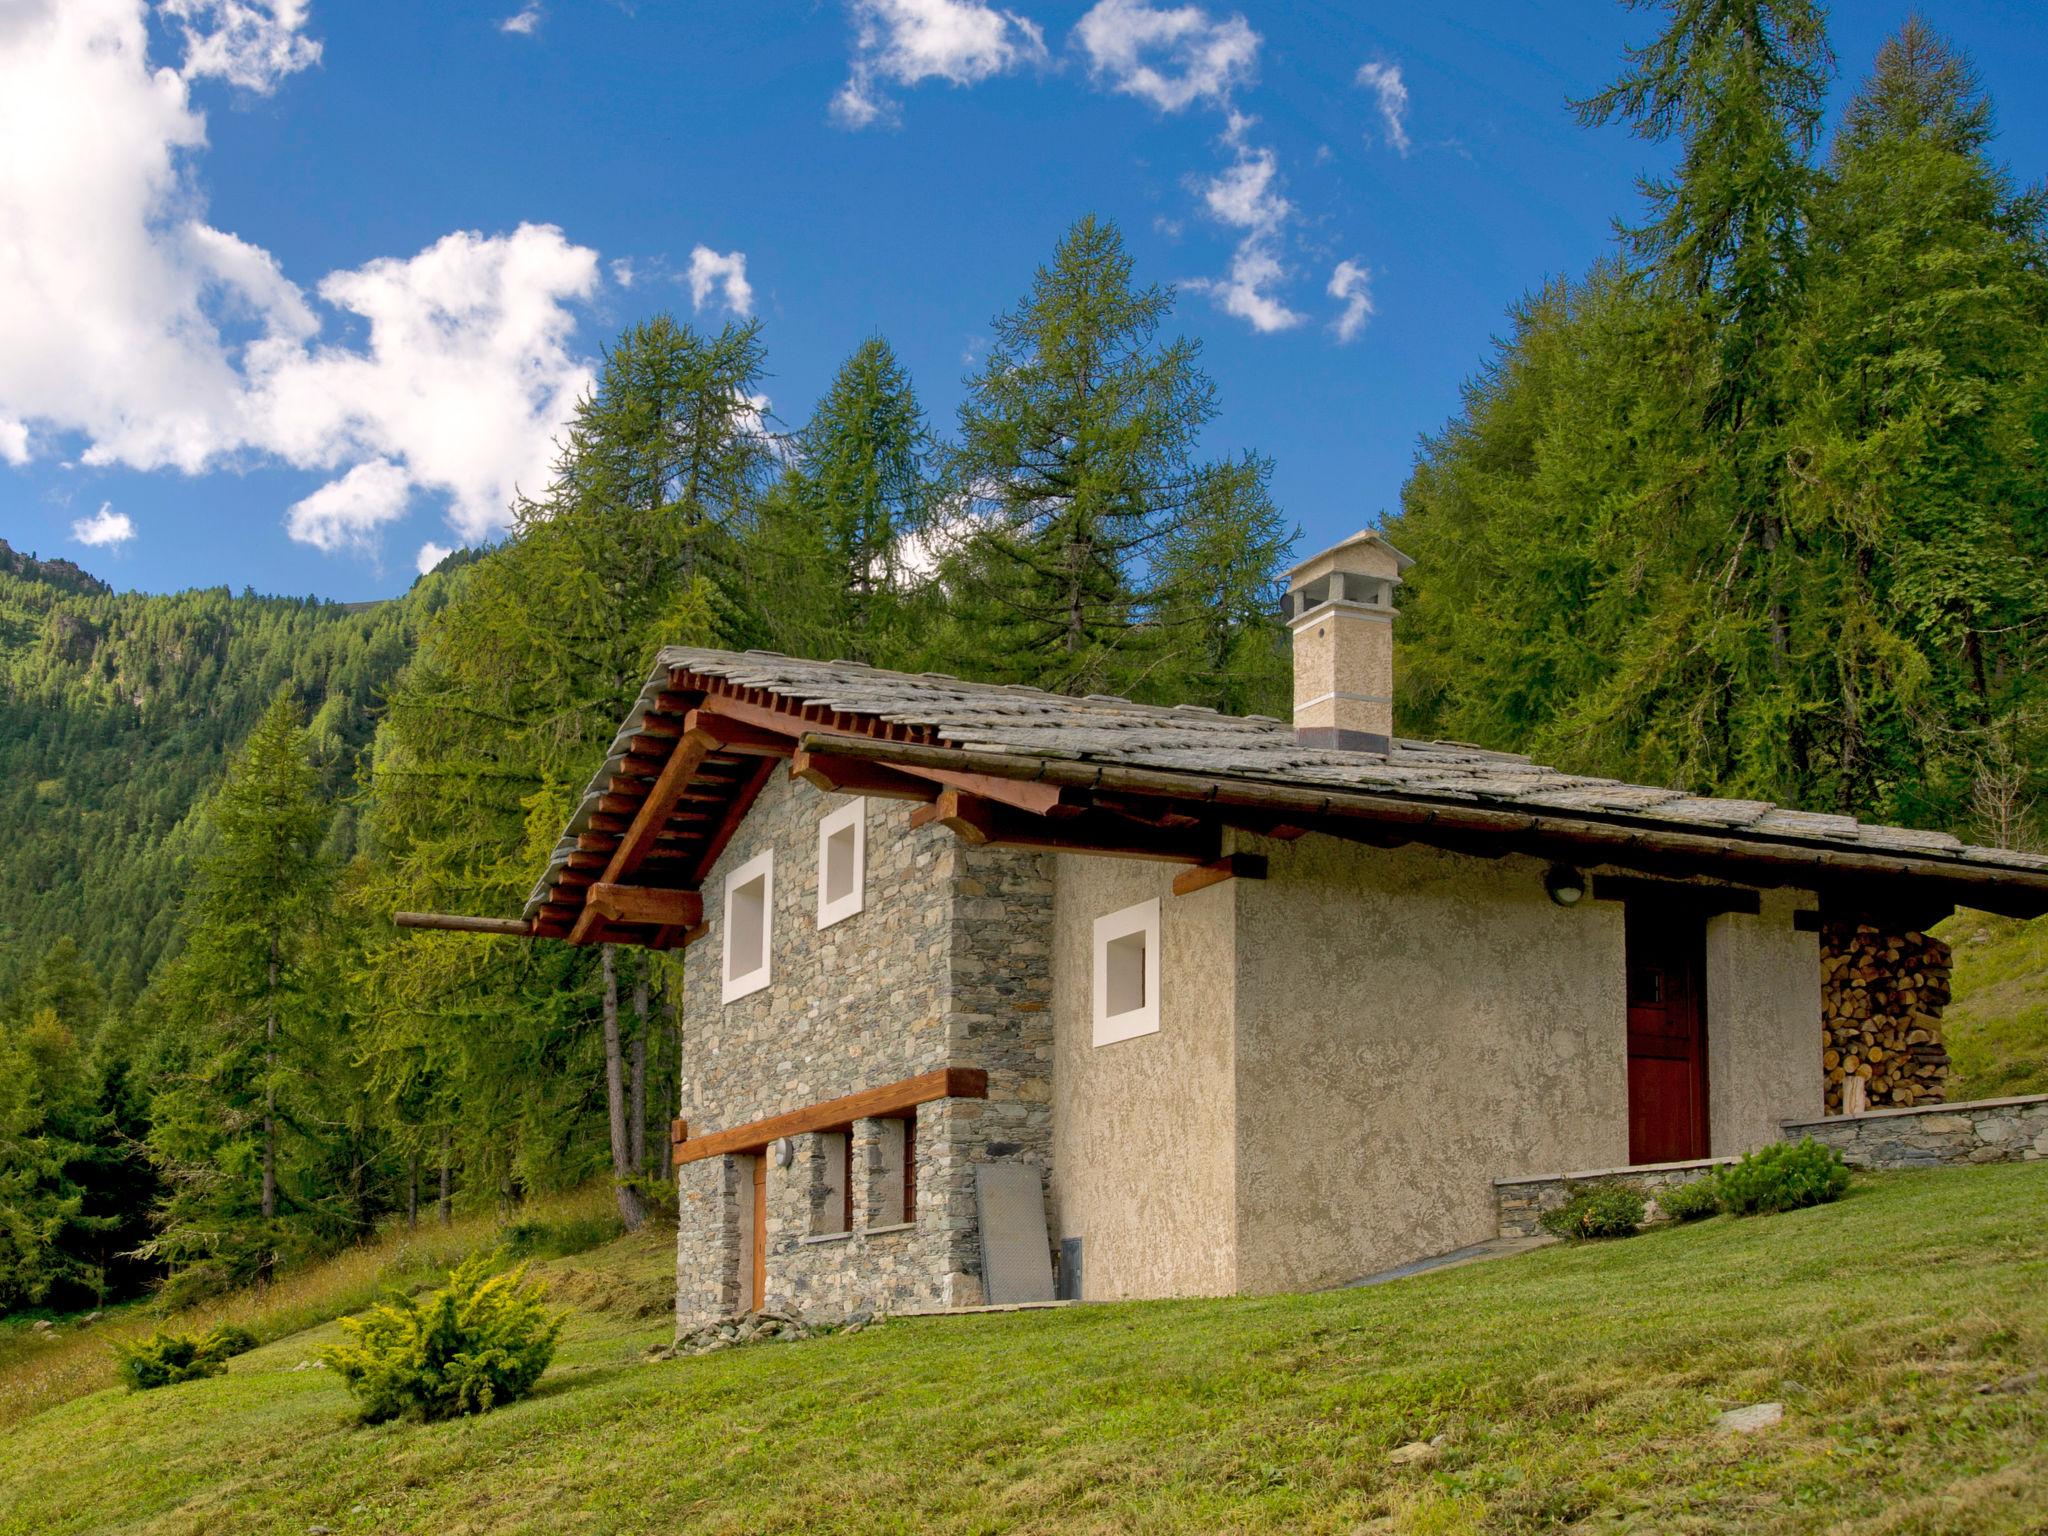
249	1010
1075	465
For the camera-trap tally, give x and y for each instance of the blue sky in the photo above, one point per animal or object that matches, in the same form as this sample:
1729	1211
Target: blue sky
289	291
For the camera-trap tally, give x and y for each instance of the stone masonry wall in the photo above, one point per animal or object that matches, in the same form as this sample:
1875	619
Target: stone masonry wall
1522	1203
1980	1131
945	965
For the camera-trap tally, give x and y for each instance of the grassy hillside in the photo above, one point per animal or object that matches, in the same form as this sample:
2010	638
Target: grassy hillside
1905	1330
1997	1027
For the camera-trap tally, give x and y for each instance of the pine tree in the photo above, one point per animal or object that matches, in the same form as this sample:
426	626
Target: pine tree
1220	573
1074	467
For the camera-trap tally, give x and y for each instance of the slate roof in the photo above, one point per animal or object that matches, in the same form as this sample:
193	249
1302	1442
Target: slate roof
1019	720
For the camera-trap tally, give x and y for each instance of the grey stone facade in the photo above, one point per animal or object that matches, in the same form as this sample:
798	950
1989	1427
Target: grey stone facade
1930	1135
946	965
1522	1203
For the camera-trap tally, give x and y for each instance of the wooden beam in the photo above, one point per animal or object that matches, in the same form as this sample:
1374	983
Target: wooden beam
1232	866
646	904
986	824
449	922
746	738
848	776
735	813
653	812
868	1104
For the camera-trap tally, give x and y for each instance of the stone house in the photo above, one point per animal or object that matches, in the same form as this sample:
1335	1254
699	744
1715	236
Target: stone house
996	994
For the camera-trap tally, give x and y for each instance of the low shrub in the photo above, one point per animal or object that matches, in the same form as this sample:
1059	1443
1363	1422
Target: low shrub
479	1342
1689	1202
1783	1177
1596	1210
165	1358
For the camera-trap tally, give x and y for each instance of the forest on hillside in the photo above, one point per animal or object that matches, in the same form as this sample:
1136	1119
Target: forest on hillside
1756	507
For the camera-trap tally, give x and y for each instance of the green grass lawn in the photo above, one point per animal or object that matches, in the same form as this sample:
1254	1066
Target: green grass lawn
1905	1330
1997	1027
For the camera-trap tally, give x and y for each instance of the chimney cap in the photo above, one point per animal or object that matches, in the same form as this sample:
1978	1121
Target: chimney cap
1364	537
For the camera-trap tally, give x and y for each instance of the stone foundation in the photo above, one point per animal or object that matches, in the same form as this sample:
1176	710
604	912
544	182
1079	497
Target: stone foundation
1522	1203
1934	1135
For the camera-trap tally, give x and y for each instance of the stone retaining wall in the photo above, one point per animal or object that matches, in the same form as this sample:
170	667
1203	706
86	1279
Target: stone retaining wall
1521	1203
1930	1135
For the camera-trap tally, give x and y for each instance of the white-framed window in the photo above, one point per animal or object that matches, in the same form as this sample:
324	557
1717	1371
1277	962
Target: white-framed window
1126	979
842	862
749	924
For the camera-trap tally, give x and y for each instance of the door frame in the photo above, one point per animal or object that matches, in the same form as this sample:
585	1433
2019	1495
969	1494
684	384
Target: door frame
755	1270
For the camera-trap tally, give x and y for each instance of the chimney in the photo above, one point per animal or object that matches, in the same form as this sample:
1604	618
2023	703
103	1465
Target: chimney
1339	608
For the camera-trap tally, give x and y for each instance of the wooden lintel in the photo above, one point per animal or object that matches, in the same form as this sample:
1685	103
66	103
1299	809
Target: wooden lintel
869	1103
1232	866
645	904
453	922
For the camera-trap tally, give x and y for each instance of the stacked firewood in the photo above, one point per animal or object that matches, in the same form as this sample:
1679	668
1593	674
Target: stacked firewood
1881	995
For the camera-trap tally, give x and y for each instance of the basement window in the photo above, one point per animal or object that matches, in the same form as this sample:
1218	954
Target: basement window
842	863
749	910
1126	979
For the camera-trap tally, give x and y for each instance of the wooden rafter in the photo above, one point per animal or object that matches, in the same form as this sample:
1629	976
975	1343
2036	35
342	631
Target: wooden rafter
987	823
1232	866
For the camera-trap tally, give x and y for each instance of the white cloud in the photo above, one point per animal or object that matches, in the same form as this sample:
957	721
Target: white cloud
727	273
906	42
250	43
349	512
1386	83
1170	56
13	441
105	528
431	555
623	273
166	343
1351	286
523	22
1246	196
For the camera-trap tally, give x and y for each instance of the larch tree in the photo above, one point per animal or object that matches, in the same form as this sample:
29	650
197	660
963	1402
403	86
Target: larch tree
1074	467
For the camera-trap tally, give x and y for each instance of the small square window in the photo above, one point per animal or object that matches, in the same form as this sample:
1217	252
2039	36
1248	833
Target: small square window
842	863
1126	979
749	920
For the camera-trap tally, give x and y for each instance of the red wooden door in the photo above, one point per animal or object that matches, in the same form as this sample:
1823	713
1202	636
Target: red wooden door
1667	1034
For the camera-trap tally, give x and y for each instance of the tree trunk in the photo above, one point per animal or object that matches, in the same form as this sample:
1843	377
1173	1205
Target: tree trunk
412	1191
630	1211
447	1203
270	1090
636	1147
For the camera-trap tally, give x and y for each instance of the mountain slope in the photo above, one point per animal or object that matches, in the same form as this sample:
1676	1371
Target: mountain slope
118	713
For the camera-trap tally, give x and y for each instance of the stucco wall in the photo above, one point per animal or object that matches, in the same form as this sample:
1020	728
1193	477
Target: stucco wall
1763	1023
1412	1025
1144	1129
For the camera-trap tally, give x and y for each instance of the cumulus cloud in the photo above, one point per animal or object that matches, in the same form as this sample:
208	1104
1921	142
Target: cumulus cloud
347	513
166	343
906	42
1385	82
727	274
1350	286
1246	196
431	555
105	528
250	43
523	22
1171	56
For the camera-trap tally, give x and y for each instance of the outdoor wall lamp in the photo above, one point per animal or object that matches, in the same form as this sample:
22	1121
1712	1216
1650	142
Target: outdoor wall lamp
1566	886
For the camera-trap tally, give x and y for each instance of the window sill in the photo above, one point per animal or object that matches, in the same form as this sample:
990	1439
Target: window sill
894	1226
823	1237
